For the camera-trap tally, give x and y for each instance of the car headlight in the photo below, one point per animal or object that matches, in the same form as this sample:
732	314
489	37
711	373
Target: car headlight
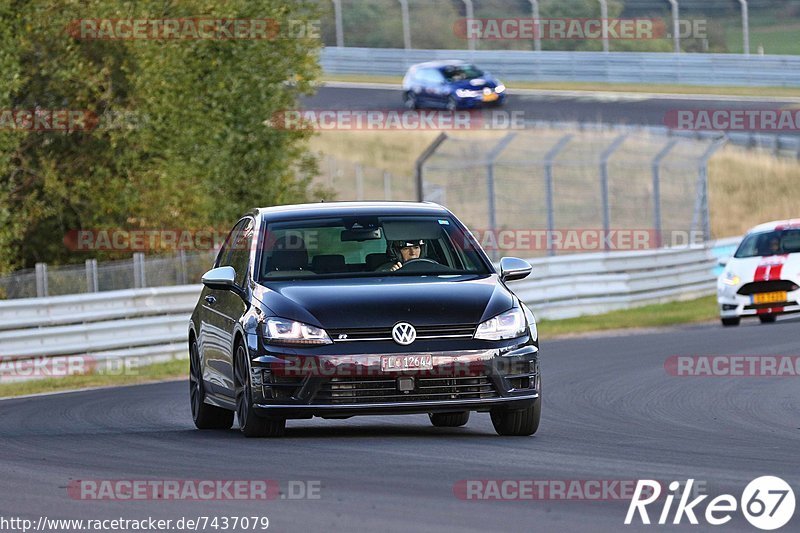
466	93
500	89
729	278
284	331
534	330
504	326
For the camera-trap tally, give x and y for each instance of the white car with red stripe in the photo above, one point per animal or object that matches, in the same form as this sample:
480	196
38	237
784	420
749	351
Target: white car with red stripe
763	277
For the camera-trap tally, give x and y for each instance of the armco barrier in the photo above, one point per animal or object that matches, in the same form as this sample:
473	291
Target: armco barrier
151	325
573	285
606	67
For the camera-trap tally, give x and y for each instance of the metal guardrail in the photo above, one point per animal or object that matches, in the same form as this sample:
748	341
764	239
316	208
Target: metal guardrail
607	67
144	325
574	285
150	325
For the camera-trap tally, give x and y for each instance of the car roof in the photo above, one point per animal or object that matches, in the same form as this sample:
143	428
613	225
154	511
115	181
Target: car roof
339	209
440	64
776	225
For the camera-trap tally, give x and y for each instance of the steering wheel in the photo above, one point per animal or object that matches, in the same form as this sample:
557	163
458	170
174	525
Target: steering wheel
428	266
419	260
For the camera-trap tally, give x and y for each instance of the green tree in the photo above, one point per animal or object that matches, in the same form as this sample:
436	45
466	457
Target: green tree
182	138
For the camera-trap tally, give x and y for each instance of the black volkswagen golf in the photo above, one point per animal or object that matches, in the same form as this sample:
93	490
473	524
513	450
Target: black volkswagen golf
343	309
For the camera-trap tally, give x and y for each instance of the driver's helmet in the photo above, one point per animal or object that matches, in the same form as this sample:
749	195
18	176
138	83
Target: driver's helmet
394	247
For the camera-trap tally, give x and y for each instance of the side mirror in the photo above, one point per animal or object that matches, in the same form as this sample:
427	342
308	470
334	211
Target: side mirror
512	268
221	278
723	261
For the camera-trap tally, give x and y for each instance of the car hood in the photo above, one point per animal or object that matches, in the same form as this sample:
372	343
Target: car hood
384	301
475	84
765	268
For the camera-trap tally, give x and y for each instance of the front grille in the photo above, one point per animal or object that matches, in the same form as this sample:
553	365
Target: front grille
385	390
775	285
423	332
283	387
769	306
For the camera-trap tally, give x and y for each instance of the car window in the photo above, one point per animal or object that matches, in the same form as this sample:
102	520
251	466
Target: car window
430	76
461	72
768	243
238	246
367	246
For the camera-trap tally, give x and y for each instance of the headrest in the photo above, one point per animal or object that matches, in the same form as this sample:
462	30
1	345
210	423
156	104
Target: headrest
328	263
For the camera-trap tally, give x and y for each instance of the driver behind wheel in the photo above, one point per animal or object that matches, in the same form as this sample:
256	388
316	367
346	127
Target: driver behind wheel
402	252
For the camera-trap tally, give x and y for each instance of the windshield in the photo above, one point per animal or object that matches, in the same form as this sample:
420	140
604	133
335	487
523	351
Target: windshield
461	72
770	243
368	246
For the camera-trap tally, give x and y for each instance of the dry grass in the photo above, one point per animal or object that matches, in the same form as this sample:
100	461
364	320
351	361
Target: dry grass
746	187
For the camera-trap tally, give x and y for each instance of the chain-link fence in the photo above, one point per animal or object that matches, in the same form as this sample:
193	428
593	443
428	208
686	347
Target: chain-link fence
138	272
354	181
556	180
703	25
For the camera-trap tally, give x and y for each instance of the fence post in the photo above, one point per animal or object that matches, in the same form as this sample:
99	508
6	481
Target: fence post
424	156
183	276
406	24
139	281
91	275
604	157
470	16
548	183
337	15
604	23
491	199
700	215
359	172
387	185
537	28
41	280
657	189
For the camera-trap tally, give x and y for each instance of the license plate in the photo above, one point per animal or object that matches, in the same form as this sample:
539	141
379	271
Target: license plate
491	97
398	363
769	297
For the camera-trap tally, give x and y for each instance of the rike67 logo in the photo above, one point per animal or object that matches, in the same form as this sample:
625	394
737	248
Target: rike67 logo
767	503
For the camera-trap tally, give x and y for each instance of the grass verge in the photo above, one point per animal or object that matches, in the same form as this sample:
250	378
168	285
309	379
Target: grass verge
604	87
650	316
144	374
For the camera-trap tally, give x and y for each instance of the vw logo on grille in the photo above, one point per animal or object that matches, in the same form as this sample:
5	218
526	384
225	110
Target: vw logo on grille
404	333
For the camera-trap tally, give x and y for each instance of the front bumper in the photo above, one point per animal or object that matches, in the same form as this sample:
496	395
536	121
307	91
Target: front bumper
342	386
733	305
472	102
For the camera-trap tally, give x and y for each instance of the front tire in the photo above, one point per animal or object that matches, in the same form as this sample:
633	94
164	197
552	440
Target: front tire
452	104
521	423
449	420
205	416
250	424
410	101
728	322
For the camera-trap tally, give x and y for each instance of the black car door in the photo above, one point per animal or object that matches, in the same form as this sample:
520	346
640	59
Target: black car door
224	308
232	305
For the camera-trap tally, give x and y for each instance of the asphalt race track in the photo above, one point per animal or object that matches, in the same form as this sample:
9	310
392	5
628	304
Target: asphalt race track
566	106
611	412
